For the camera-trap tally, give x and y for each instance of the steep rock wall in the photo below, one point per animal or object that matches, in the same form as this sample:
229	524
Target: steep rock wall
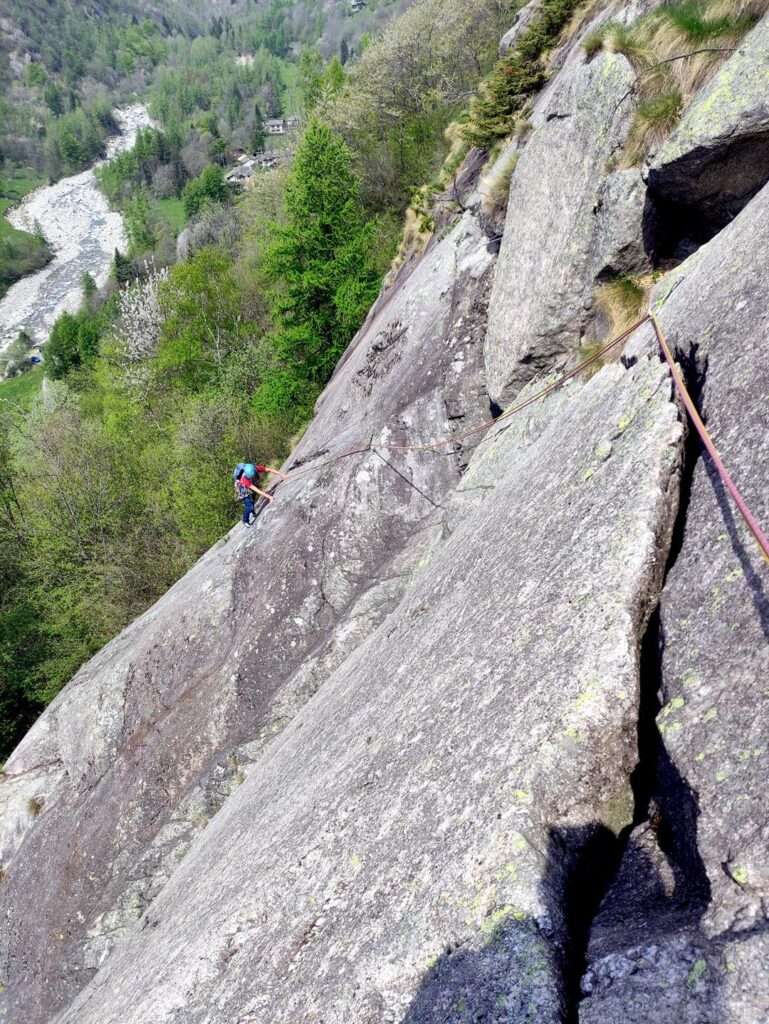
147	741
702	952
556	243
475	744
419	748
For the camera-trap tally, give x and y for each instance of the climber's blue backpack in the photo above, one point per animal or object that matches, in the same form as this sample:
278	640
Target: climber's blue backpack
244	471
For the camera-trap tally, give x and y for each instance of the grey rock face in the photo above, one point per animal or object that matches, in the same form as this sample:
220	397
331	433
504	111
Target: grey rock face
715	607
711	933
386	756
646	955
522	21
621	227
718	156
144	745
556	243
401	851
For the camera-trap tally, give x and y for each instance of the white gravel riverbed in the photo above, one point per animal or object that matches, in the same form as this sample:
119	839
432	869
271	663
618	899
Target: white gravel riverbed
84	234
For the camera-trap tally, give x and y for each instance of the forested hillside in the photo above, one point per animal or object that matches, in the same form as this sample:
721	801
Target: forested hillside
213	72
175	370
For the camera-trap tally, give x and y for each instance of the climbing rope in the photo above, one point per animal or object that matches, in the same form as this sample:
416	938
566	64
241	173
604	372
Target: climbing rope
432	446
694	416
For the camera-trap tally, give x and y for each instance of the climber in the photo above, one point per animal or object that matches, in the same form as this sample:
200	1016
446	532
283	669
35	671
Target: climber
245	487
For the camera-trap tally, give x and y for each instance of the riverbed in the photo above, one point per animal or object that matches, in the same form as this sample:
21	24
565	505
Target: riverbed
82	231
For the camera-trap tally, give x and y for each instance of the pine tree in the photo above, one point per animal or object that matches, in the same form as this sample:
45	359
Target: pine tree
257	132
321	260
122	268
53	99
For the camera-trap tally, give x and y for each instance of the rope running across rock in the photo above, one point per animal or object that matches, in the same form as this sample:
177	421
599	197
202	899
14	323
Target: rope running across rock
432	446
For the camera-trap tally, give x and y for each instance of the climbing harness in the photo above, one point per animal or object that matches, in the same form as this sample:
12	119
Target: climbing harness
432	446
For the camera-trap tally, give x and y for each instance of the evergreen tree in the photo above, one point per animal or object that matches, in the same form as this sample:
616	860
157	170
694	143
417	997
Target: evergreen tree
310	78
53	99
88	284
321	258
257	132
344	52
122	268
333	77
61	349
516	76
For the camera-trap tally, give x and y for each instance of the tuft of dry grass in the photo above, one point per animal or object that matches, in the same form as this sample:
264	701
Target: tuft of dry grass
522	126
418	229
495	184
458	150
593	42
621	302
34	805
580	18
632	42
674	50
653	122
755	9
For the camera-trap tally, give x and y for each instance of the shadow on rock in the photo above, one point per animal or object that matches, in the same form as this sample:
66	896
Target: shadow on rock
620	931
518	969
512	976
756	585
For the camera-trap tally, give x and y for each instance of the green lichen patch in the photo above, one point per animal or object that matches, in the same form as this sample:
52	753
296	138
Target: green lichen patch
698	969
740	874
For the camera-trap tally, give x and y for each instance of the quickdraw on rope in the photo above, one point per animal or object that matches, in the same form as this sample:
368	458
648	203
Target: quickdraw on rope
694	416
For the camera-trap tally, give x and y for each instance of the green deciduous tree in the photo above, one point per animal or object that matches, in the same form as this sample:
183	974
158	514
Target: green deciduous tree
209	186
203	323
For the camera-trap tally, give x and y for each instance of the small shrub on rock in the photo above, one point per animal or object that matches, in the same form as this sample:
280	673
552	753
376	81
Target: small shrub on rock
519	74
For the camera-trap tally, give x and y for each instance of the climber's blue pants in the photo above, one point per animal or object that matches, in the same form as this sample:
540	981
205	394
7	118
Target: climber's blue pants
248	508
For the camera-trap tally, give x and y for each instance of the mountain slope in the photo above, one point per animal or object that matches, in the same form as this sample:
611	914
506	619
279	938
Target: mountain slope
419	747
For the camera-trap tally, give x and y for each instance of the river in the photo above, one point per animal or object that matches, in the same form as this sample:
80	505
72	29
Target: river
82	231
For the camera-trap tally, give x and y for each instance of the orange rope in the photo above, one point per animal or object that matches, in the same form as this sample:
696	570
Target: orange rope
454	438
694	416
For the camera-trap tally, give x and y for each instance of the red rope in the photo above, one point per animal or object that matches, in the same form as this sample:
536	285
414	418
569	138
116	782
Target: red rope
454	438
694	416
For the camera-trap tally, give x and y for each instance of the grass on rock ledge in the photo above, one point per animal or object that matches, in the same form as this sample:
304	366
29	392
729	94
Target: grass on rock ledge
674	50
